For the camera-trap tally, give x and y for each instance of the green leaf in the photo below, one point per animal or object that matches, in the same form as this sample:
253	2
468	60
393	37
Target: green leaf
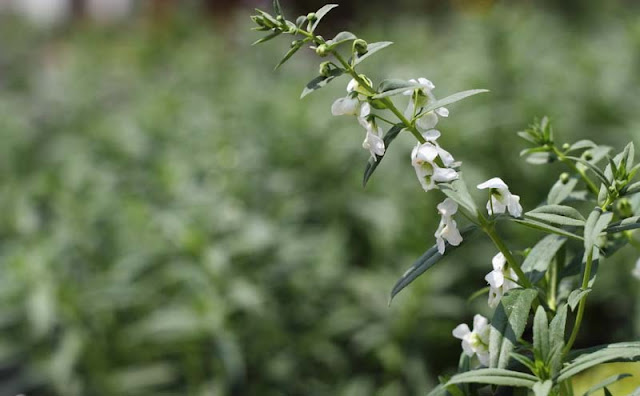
561	191
452	99
529	136
631	189
581	145
342	37
539	158
541	333
576	296
321	13
596	223
276	7
547	228
542	388
289	54
537	261
556	339
621	352
389	137
525	361
426	261
371	49
630	223
508	323
394	87
488	376
557	214
320	82
457	190
606	382
267	38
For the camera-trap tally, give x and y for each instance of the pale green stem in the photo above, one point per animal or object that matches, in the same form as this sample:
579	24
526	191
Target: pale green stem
581	306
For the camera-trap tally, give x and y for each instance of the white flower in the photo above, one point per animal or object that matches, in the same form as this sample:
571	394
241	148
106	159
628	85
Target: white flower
448	229
423	160
500	280
373	139
423	95
476	341
501	199
636	270
349	105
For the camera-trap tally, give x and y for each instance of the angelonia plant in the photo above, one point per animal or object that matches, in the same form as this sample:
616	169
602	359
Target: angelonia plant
586	218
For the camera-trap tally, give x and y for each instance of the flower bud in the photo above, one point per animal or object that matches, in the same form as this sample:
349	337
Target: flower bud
587	155
280	18
311	17
325	69
619	184
296	43
566	146
612	190
564	178
322	50
360	47
624	207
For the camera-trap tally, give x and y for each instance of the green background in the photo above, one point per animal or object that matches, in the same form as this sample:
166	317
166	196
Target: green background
175	221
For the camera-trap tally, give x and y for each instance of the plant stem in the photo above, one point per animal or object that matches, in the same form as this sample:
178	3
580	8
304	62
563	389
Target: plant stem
581	306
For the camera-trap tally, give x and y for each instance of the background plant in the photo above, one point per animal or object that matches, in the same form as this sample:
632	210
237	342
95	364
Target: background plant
146	115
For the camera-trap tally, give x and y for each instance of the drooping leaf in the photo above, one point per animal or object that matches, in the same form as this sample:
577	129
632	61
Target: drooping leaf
289	54
321	13
538	259
389	137
488	376
576	296
394	87
342	37
456	97
557	214
371	49
561	191
426	261
606	382
620	352
267	38
538	225
630	223
320	81
542	388
507	325
541	333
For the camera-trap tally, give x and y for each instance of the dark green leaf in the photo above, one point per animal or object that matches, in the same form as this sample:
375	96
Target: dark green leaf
576	296
525	361
267	37
556	339
541	333
371	49
546	228
632	189
606	382
488	376
342	37
320	82
589	165
452	99
508	323
289	54
371	164
537	261
321	13
426	261
621	352
561	191
630	223
276	7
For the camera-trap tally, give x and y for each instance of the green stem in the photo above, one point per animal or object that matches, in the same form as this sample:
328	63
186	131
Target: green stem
581	306
562	158
513	263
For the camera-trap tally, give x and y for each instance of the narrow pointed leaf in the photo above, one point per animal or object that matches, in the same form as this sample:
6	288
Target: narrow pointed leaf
556	339
342	37
452	99
371	49
561	191
581	145
547	228
507	325
542	388
288	55
576	296
388	139
321	13
457	190
426	261
630	223
596	223
276	7
394	87
632	189
621	352
557	214
593	168
541	333
266	38
320	81
537	261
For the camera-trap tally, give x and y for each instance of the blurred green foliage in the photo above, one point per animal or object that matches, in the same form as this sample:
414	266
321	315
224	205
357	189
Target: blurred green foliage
176	222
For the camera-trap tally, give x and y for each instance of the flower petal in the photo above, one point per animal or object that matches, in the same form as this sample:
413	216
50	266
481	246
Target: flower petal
495	182
495	279
461	331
